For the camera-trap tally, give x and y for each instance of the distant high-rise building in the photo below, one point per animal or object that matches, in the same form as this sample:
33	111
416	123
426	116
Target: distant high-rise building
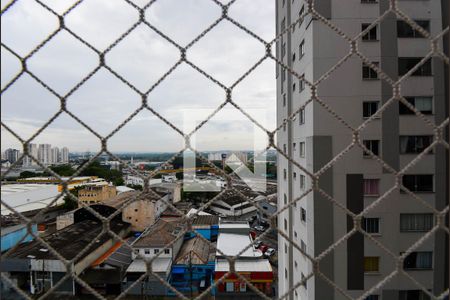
64	155
33	151
12	155
55	155
45	153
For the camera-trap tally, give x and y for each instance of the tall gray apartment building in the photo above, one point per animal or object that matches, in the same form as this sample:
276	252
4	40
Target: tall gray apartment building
355	92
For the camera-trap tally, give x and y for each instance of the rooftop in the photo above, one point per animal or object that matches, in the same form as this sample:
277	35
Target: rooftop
232	244
8	189
205	220
161	233
122	198
159	265
69	242
241	265
195	251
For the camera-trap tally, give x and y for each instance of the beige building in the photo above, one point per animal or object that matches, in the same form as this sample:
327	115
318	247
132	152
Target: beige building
91	194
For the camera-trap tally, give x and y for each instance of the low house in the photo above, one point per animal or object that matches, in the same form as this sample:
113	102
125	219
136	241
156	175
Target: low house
14	234
193	268
232	240
162	242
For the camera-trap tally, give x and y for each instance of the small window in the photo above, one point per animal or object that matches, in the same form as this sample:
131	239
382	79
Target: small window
371	35
166	251
372	297
285	225
412	294
295	175
284	174
294	146
302	182
303	246
414	143
285	273
371	264
293	87
283	24
301	48
155	251
421	103
285	199
301	84
370	108
419	261
368	72
418	183
285	248
302	149
304	283
404	30
301	114
293	54
295	264
369	1
372	145
284	100
407	63
302	214
295	234
147	251
371	187
300	15
416	222
371	225
284	148
283	50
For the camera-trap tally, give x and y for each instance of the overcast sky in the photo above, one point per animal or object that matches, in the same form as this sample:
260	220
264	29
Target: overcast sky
103	102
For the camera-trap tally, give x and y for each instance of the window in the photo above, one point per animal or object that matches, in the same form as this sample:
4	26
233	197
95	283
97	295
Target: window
284	148
295	264
295	234
285	199
369	1
301	83
302	149
166	251
414	143
416	222
302	182
294	146
371	187
285	273
147	251
295	175
371	35
155	251
372	297
404	30
284	100
285	248
283	75
418	183
293	87
301	48
407	63
304	283
285	224
301	118
369	108
283	50
368	72
303	246
300	15
422	104
418	260
371	225
293	54
412	294
371	264
372	145
283	24
302	214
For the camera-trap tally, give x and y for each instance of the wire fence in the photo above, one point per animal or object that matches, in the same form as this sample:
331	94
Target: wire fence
438	129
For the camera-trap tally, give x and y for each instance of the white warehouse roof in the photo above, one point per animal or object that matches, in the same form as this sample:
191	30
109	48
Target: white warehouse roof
27	197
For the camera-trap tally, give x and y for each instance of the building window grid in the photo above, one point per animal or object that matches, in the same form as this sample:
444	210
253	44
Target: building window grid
368	73
371	264
424	104
372	145
370	108
404	30
371	225
371	35
416	222
371	187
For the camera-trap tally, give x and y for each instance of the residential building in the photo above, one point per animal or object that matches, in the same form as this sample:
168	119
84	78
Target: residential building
64	155
12	155
55	158
164	240
33	151
355	92
94	193
45	154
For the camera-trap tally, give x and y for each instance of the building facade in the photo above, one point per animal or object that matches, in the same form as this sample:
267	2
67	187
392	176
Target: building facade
314	137
45	154
33	151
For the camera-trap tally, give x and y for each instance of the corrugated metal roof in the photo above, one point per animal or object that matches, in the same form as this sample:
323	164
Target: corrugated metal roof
248	265
159	265
231	244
